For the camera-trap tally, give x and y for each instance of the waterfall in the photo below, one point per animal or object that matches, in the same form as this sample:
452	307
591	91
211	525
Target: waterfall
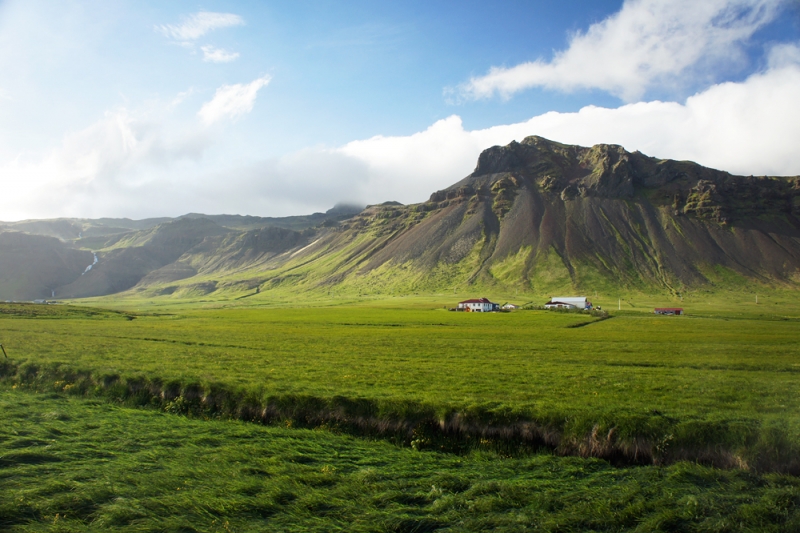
88	268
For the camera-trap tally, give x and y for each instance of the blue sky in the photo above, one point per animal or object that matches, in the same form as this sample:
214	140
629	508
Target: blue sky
273	108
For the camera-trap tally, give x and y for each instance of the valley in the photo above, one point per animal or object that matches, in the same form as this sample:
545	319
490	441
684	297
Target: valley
230	373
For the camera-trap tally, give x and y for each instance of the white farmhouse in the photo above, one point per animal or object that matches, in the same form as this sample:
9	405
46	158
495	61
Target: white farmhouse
568	302
479	305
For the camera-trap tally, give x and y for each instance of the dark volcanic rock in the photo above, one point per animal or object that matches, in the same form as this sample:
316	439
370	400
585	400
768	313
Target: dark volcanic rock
603	212
609	171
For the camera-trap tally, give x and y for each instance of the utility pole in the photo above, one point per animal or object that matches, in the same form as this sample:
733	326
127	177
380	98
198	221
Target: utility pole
756	298
619	304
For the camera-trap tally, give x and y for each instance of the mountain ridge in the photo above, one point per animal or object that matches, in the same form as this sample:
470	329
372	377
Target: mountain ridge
534	215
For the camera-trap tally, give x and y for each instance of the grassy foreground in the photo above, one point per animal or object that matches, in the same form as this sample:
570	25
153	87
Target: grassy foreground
70	464
722	388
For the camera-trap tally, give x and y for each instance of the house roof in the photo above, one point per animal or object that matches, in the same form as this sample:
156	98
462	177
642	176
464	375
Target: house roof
477	301
669	308
551	302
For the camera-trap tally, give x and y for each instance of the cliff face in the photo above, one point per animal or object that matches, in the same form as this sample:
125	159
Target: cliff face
608	171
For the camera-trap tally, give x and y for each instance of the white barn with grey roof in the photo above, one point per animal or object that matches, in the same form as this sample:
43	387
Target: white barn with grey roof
568	302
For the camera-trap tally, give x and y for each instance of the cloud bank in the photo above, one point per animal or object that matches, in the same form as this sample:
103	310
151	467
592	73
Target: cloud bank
648	42
129	165
110	166
745	128
149	163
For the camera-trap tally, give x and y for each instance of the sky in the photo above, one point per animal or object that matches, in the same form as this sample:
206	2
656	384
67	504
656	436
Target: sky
141	109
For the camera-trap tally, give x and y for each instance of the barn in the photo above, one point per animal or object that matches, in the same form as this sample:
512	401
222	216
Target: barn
568	302
668	310
479	305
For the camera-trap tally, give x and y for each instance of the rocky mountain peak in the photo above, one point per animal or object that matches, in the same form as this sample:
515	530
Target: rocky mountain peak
609	171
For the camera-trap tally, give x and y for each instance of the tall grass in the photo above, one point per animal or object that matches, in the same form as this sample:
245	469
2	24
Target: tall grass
76	465
762	445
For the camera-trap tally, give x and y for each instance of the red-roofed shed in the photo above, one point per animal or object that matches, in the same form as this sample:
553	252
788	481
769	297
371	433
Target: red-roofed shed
668	310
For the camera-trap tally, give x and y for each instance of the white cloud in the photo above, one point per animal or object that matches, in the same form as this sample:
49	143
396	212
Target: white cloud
95	170
218	55
231	101
648	42
125	165
195	26
745	128
784	55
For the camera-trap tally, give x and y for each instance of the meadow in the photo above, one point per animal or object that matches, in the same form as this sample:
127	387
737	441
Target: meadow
719	386
71	464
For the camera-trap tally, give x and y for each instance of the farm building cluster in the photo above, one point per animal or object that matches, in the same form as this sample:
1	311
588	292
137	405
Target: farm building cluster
568	302
484	305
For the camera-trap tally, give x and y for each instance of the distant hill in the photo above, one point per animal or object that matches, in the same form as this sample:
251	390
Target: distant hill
42	257
535	215
76	229
33	266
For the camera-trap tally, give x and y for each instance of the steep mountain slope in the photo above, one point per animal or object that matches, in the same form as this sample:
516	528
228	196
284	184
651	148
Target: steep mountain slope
33	266
542	215
137	254
539	212
534	216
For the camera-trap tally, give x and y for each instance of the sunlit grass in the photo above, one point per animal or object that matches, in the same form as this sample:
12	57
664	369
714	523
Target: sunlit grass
708	381
70	464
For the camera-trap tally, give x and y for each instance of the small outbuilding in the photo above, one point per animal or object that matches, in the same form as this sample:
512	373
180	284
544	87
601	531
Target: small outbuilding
509	306
568	302
668	310
478	305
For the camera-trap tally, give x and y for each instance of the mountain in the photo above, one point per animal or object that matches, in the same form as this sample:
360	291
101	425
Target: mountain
539	215
41	257
98	229
534	216
33	266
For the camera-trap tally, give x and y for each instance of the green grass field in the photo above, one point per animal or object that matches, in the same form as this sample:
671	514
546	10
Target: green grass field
509	397
645	384
69	464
